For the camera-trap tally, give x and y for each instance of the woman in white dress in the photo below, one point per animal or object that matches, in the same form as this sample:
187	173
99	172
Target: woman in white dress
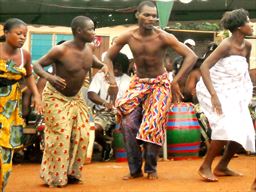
224	92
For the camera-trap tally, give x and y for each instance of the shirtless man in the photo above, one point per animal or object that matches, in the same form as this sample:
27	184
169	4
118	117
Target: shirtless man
143	108
66	114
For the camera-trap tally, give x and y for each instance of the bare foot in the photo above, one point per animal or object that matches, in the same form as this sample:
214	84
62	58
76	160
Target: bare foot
226	172
207	175
129	176
152	176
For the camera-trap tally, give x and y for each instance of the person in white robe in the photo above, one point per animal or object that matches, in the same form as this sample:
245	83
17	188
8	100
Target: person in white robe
224	93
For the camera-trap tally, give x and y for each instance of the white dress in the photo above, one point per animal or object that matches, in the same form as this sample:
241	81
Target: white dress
231	80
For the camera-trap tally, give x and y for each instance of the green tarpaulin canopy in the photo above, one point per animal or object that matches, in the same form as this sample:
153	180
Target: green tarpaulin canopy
112	12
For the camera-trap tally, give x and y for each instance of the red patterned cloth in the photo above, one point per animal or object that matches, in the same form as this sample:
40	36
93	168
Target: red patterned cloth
66	137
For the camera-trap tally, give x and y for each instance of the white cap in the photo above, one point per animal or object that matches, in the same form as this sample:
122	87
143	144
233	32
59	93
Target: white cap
190	42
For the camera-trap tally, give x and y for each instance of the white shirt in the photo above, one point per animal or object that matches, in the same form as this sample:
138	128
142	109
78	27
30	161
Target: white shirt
100	86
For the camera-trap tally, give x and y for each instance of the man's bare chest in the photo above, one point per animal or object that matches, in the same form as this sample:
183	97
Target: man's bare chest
146	47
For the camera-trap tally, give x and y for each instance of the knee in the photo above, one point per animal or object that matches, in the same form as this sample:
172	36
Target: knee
130	122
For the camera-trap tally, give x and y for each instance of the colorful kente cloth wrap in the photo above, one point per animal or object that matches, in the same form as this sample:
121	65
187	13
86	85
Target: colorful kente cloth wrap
154	94
11	122
66	136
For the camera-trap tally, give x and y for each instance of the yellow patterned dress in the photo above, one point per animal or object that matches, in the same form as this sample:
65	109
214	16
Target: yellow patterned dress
11	122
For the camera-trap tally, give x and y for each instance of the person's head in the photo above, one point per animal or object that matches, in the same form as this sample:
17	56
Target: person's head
237	19
168	62
198	63
83	28
210	48
120	64
190	43
15	32
146	14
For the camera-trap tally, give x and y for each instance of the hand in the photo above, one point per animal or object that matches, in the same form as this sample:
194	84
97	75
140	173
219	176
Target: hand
57	82
177	96
216	105
37	104
112	92
110	79
108	106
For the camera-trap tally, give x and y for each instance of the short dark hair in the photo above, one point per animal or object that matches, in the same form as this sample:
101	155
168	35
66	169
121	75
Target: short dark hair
121	60
10	24
60	42
231	20
79	21
145	3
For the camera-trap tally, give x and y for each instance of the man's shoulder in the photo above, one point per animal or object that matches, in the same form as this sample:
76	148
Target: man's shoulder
127	34
59	50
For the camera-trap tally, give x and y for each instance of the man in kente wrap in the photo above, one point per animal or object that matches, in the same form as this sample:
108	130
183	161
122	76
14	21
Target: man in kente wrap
144	106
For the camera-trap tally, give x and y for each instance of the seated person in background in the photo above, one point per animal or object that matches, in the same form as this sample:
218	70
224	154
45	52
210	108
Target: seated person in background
191	81
105	118
194	76
190	96
168	63
178	62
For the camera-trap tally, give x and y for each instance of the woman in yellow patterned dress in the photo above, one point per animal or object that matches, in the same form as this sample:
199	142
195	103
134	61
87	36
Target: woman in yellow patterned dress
14	65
